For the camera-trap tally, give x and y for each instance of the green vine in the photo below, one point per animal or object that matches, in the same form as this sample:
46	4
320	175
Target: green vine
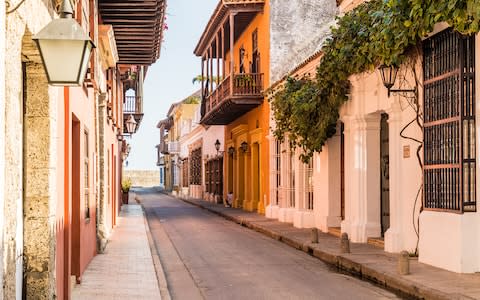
376	32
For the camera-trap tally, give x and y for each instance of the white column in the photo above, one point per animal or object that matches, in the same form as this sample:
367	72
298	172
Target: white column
394	235
327	185
271	211
362	178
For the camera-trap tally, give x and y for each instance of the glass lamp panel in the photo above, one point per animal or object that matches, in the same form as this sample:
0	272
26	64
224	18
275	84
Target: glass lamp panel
85	61
62	59
131	124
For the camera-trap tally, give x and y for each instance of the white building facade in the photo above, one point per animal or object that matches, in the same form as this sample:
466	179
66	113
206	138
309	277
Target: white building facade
368	180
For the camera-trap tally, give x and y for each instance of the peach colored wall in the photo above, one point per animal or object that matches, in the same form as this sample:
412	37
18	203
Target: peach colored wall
82	104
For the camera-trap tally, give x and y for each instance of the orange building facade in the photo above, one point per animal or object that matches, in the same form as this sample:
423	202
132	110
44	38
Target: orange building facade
235	66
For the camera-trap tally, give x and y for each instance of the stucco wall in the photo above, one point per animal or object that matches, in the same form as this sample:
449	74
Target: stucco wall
2	134
449	241
297	30
143	178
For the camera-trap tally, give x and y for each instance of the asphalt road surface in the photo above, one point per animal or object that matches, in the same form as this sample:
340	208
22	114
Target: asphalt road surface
207	257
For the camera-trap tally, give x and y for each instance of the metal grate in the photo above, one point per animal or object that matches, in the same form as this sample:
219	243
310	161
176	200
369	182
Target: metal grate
449	122
196	166
308	185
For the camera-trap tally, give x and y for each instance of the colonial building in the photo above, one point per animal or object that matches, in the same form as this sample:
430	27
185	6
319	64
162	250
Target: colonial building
368	180
191	163
62	147
240	45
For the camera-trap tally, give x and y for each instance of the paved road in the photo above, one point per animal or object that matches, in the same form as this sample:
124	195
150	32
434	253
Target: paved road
207	257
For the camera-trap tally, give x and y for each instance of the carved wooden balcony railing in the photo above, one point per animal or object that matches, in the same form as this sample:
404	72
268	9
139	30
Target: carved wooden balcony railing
233	97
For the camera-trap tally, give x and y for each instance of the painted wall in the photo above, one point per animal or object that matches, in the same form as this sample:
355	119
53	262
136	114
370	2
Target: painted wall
82	105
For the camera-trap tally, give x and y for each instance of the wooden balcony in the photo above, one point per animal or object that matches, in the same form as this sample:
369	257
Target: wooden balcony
138	27
232	98
133	105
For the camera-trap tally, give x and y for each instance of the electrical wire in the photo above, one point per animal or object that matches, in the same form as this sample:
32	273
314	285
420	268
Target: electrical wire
15	8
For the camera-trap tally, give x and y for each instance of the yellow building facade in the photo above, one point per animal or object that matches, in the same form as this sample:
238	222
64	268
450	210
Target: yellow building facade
233	96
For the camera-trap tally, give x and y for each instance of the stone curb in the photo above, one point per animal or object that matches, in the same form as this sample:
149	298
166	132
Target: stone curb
162	281
388	280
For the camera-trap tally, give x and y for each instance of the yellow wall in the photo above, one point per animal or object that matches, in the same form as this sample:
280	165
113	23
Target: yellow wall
256	122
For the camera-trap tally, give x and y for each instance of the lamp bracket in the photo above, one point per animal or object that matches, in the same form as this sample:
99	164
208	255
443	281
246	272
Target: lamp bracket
414	90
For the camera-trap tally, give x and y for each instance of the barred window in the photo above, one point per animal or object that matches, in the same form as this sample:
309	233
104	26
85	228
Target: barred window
196	167
308	185
185	173
449	122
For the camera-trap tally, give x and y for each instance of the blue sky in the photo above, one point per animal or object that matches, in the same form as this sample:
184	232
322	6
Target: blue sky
170	78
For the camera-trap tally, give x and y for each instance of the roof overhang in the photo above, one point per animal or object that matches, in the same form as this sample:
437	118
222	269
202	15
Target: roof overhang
219	17
138	27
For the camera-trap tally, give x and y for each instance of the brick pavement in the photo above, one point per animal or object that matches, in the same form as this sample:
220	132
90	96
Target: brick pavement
365	261
126	269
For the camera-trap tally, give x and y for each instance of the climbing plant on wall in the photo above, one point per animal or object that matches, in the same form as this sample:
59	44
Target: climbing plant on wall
376	32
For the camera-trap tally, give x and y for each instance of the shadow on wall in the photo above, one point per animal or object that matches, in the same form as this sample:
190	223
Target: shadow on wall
143	178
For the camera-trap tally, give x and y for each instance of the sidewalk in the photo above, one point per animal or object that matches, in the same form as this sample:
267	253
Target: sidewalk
365	261
126	269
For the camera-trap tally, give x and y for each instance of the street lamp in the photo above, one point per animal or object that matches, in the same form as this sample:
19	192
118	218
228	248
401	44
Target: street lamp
389	75
131	125
231	150
65	49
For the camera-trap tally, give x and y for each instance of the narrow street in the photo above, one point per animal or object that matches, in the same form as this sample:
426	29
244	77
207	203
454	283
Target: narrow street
206	256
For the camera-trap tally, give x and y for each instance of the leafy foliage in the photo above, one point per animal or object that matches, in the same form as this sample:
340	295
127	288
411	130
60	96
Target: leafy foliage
376	32
192	100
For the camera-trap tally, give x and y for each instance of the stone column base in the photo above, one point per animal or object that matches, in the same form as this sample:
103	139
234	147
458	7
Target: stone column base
286	215
360	232
271	211
304	219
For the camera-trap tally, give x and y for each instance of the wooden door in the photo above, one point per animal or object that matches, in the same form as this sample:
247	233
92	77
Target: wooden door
384	175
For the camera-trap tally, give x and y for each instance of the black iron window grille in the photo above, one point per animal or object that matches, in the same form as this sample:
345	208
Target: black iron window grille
449	122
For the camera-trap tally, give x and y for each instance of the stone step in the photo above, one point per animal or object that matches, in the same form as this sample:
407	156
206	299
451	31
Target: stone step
378	242
335	231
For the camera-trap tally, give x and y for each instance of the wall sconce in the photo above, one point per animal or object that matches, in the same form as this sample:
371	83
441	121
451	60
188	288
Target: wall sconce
244	146
231	150
65	49
389	75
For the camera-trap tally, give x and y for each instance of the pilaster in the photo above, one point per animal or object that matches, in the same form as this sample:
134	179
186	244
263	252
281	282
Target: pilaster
102	227
327	185
394	235
362	177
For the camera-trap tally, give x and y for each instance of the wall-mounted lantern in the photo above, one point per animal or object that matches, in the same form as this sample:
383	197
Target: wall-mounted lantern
217	145
389	75
244	146
231	151
131	125
65	49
